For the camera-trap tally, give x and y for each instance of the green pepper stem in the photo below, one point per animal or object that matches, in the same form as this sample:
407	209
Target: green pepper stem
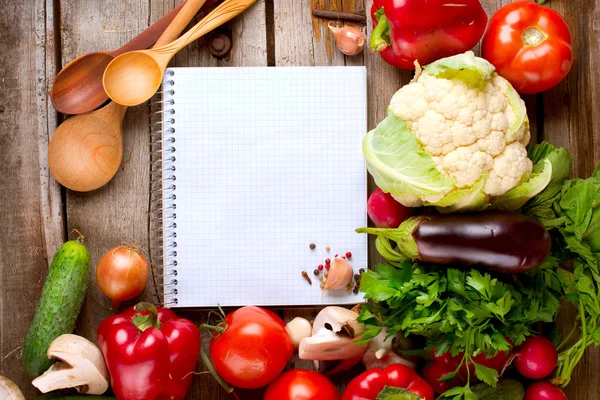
213	371
382	30
150	320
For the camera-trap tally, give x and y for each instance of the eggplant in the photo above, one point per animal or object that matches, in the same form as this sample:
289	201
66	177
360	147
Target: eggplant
501	241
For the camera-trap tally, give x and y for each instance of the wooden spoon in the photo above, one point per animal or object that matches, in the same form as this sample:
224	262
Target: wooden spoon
78	86
134	77
86	150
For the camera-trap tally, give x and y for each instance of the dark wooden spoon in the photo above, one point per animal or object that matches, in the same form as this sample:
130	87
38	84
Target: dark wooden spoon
78	86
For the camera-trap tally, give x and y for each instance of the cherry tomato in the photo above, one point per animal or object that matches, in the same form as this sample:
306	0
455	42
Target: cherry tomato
437	369
300	384
530	45
253	348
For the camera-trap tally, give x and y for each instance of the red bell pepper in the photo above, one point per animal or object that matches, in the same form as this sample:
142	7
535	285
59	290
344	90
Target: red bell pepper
150	353
395	379
425	30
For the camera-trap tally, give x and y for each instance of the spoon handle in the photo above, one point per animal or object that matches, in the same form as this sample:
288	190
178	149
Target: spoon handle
149	36
183	18
223	13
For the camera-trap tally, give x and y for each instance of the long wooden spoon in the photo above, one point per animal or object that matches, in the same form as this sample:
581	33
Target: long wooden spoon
85	151
78	86
134	77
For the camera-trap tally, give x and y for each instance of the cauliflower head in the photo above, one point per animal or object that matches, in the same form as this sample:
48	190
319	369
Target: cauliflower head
455	137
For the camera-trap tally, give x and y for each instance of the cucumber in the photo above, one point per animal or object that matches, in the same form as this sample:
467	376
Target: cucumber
59	306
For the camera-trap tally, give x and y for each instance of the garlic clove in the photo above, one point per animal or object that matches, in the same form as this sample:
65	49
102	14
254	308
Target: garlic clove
298	329
340	274
350	40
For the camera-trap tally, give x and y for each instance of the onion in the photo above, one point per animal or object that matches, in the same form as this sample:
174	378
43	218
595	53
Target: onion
122	274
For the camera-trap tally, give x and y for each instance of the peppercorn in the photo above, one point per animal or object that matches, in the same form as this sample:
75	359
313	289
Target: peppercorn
355	290
327	266
316	272
321	267
349	255
356	277
312	246
327	248
361	270
328	261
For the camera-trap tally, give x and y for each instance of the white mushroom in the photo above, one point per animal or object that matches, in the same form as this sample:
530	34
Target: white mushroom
298	329
333	344
80	366
9	391
380	354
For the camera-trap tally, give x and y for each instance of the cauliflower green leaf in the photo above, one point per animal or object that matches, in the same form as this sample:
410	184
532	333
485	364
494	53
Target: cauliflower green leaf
397	162
520	194
472	198
465	66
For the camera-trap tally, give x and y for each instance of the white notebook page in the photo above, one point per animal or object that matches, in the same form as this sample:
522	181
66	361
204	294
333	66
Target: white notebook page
268	161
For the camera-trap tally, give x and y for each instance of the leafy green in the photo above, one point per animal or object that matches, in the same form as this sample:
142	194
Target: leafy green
520	194
397	162
459	310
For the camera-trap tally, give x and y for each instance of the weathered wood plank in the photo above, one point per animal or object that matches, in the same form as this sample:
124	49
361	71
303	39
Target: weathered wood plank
117	212
30	214
571	111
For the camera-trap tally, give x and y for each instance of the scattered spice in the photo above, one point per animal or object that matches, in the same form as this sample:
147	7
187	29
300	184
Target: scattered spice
316	272
362	270
322	285
328	261
327	248
305	275
327	266
355	290
322	279
349	255
336	255
326	274
356	277
320	267
312	246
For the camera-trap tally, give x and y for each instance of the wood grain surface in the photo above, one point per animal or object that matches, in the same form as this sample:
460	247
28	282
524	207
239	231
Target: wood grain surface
38	36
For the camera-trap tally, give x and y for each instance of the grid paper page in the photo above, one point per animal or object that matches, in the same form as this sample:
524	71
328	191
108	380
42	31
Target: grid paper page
268	161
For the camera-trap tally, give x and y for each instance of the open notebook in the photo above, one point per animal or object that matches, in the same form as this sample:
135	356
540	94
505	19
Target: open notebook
258	164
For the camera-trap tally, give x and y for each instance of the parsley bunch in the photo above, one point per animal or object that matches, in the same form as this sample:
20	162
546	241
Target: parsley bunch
459	310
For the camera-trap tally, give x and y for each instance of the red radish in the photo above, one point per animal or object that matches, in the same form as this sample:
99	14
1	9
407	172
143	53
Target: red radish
536	358
386	212
544	390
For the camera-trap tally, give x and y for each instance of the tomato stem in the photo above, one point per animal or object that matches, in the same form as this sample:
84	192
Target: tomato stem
541	2
209	365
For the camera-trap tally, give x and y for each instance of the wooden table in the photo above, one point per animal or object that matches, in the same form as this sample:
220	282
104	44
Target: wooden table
38	36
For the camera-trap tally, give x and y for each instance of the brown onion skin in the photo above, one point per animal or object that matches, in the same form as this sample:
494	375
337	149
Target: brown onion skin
502	241
122	274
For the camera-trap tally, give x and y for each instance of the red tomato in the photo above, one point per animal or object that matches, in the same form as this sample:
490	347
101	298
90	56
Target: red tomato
300	384
253	349
530	45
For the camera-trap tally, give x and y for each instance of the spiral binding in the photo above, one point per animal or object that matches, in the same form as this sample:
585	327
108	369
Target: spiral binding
163	195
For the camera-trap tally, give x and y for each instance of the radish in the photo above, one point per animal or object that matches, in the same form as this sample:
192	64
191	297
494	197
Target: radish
544	390
536	358
386	212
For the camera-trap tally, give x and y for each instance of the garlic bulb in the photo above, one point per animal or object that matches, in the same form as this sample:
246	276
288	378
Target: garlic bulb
350	40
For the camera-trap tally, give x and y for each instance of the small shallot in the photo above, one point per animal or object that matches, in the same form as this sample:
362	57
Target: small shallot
350	40
340	274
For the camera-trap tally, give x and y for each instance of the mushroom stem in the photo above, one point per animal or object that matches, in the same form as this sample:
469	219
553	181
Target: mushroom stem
80	366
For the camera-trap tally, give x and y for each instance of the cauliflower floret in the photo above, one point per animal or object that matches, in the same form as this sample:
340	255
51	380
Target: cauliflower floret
469	130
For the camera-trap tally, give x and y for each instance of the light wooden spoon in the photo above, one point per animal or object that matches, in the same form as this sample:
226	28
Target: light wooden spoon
134	77
85	151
